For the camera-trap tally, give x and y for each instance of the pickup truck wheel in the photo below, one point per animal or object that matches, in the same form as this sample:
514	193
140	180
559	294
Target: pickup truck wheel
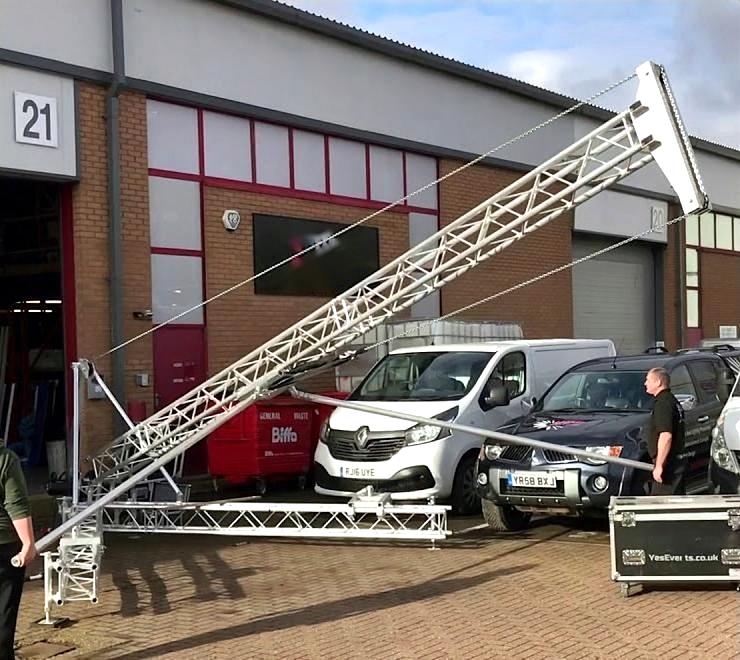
465	499
505	518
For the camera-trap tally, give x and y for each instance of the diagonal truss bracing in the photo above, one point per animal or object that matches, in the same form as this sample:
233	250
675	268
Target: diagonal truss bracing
598	160
622	145
401	522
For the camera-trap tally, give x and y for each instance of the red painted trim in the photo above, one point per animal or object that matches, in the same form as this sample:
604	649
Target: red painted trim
177	252
201	194
291	159
167	174
184	326
720	251
309	195
368	194
201	144
327	171
69	300
253	150
405	180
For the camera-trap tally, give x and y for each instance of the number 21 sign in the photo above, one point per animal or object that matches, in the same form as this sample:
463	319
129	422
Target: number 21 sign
36	120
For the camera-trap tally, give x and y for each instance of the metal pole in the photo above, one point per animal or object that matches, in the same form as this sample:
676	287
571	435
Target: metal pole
502	437
76	366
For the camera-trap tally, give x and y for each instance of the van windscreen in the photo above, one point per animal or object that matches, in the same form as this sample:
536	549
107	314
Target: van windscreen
422	376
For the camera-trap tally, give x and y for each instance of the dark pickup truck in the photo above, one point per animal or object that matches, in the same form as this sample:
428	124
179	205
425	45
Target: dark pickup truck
600	406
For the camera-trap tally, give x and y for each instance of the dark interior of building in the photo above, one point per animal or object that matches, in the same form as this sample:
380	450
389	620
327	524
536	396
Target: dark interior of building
32	378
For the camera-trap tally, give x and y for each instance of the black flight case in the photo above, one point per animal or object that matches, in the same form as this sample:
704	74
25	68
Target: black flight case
674	539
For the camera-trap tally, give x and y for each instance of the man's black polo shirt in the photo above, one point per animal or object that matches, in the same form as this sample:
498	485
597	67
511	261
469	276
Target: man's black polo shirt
667	417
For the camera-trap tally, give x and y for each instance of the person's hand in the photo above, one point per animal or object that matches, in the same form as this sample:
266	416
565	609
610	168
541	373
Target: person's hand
25	556
658	474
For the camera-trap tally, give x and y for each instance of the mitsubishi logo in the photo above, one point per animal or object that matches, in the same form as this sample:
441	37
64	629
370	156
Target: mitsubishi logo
361	437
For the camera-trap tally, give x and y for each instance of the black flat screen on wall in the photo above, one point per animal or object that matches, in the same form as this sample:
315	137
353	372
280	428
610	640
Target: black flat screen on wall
332	268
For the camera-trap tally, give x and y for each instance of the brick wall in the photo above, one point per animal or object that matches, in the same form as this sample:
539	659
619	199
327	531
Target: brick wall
719	293
242	321
672	265
543	309
90	211
137	294
90	214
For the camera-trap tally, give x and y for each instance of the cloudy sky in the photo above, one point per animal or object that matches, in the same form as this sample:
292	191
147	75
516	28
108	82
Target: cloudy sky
577	47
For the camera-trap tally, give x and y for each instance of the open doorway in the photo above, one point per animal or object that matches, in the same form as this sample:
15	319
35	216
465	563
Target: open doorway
32	361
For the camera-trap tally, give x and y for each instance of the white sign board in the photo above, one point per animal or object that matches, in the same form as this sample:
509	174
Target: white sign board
38	126
36	120
728	332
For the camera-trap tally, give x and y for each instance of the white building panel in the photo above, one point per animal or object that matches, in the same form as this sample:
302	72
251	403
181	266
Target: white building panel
272	154
54	96
347	171
228	146
172	136
619	214
72	31
277	66
309	162
386	174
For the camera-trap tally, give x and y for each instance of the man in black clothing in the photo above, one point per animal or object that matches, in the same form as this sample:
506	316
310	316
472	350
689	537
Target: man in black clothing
666	440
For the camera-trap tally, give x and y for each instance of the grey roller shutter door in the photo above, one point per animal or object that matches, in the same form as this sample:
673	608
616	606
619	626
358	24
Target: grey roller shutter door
614	294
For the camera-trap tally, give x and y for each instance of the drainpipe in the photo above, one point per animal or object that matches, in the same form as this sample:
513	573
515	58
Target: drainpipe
115	232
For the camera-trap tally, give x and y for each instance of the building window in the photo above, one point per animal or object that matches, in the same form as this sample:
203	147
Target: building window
347	173
723	225
692	288
272	154
692	268
420	171
177	285
309	165
692	230
172	137
174	213
706	225
386	174
326	271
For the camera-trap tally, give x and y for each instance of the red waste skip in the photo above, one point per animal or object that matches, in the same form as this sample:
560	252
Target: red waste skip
269	440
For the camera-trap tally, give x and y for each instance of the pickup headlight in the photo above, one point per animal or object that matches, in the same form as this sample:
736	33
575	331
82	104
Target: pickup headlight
602	450
721	455
492	452
422	433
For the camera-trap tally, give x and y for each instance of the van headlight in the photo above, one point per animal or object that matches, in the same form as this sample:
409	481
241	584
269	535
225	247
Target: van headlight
422	433
721	455
602	450
325	431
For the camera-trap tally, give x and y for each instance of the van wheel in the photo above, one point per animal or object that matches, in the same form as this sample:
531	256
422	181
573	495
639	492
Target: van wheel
465	499
505	518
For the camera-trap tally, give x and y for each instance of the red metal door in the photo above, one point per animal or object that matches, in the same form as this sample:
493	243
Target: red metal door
179	366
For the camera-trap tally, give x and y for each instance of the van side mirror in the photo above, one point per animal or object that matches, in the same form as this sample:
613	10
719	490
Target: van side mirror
496	395
687	401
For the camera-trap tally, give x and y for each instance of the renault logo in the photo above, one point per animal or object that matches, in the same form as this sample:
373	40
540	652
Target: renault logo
361	437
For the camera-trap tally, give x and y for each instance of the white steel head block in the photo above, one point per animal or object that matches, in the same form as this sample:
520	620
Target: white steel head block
662	122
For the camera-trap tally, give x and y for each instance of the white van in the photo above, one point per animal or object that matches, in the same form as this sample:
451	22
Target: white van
452	383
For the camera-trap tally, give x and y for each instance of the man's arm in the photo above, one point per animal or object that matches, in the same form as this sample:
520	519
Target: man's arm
24	528
17	507
664	448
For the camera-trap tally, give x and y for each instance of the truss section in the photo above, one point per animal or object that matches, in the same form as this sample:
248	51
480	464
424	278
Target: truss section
620	146
373	519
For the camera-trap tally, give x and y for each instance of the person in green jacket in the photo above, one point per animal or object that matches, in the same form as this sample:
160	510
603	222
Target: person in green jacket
17	546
